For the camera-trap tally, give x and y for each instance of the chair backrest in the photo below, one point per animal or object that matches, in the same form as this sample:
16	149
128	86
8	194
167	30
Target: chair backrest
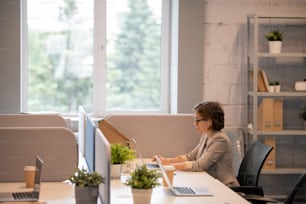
298	191
252	162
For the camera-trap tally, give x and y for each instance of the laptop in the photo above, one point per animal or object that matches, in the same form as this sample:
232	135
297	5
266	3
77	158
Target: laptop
27	195
183	190
149	165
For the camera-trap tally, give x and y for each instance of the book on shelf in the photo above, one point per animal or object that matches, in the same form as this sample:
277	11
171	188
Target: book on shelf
265	79
262	81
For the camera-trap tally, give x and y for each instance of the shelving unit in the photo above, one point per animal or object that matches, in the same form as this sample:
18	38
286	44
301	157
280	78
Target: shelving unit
287	67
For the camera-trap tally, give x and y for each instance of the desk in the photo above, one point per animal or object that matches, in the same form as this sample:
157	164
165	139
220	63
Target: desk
51	192
62	193
121	194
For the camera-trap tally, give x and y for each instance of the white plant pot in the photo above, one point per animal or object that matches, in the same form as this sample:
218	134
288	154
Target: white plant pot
277	88
116	171
142	196
275	47
271	89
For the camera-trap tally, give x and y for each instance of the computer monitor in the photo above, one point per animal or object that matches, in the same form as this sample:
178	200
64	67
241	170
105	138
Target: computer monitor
90	143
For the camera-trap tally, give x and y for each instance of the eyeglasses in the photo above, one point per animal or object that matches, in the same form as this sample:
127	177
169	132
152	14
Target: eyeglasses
198	120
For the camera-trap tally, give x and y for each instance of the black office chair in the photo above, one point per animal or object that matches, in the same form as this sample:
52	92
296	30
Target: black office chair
298	192
250	168
252	163
297	195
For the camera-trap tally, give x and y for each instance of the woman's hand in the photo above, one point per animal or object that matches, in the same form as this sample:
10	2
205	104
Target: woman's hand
164	160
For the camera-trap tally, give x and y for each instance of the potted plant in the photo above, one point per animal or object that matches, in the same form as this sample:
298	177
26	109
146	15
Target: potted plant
86	185
277	86
142	180
275	38
119	155
302	114
271	86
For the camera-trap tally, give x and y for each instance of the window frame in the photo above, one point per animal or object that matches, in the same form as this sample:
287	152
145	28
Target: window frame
99	65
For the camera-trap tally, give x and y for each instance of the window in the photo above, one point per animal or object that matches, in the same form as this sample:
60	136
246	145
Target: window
68	61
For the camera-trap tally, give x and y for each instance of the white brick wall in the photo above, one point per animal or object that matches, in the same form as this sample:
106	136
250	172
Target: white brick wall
224	42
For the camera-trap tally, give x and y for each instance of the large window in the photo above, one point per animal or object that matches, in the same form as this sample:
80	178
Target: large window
60	59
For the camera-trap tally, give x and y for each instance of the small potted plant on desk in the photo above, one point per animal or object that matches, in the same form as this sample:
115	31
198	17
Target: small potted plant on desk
119	155
86	186
142	181
275	38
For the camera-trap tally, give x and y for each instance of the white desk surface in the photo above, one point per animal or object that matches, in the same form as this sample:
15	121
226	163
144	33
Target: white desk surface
51	192
121	194
62	193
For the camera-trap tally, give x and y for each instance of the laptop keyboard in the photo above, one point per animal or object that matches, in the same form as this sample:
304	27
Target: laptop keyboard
152	166
184	190
22	195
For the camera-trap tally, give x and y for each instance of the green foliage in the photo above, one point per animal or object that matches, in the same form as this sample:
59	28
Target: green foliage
121	153
83	178
274	83
60	81
143	178
55	82
302	114
133	69
274	35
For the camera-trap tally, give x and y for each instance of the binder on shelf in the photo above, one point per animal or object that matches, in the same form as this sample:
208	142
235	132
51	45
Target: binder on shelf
265	115
270	161
270	115
278	115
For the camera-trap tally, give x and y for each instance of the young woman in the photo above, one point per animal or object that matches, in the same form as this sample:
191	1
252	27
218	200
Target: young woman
214	153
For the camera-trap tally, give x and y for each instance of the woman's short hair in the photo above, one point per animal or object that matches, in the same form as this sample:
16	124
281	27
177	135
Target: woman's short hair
211	110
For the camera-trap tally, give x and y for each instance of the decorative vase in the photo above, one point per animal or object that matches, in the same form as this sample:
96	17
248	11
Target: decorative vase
116	171
275	47
88	195
142	196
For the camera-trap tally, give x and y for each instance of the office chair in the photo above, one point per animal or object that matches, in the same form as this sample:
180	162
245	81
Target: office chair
298	192
252	163
250	168
295	196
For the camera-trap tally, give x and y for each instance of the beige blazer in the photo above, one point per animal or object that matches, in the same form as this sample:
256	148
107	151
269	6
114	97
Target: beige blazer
215	157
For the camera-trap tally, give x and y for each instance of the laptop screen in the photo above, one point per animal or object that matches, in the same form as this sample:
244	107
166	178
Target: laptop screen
38	169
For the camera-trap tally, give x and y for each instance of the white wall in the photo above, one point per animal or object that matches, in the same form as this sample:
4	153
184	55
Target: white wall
188	49
9	56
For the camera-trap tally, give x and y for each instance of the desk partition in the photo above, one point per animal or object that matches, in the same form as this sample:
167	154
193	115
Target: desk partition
32	120
162	134
19	146
102	165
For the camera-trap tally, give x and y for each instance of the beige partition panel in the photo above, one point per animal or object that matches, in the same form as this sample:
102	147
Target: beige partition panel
57	147
32	120
163	134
